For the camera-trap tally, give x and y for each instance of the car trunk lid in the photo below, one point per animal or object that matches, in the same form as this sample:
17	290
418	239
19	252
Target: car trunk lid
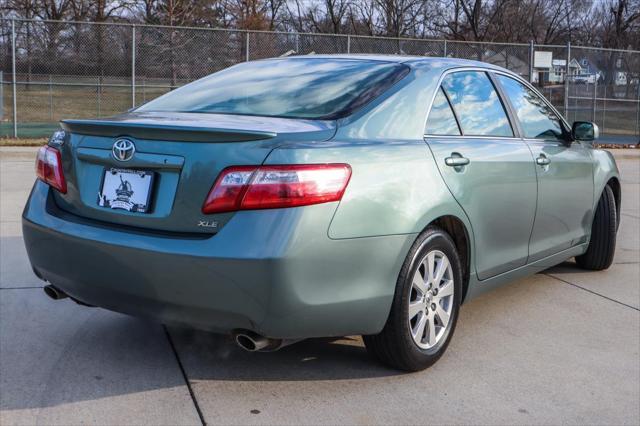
182	154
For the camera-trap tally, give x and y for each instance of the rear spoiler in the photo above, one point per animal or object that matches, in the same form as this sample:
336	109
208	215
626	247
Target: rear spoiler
161	131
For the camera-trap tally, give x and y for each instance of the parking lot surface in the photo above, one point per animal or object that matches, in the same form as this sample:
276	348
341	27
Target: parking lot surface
562	346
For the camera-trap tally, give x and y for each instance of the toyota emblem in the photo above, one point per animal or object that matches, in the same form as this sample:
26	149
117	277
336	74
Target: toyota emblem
123	150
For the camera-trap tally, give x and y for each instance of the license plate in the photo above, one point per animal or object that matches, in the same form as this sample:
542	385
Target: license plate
125	189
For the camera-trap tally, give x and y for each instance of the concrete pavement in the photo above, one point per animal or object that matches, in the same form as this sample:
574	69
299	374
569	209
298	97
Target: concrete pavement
560	347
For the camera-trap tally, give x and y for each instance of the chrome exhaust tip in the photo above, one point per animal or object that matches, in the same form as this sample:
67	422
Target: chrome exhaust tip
253	342
54	293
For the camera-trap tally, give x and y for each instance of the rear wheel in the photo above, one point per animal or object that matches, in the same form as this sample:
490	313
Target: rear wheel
425	307
599	254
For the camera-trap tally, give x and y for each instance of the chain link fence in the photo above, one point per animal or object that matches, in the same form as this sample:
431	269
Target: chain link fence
51	70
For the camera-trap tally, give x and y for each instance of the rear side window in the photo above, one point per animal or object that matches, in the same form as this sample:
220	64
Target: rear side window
477	105
538	121
441	120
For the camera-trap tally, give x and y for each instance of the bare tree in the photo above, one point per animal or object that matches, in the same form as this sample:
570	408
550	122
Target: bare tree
610	23
400	17
620	19
619	30
362	17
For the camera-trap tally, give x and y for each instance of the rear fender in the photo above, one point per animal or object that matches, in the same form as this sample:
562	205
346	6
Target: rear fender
395	187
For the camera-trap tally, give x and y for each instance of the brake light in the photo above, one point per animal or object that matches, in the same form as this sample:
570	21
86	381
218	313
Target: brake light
272	187
49	168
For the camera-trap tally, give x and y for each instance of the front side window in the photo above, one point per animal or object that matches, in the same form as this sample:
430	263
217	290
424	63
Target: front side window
537	119
311	88
441	120
477	105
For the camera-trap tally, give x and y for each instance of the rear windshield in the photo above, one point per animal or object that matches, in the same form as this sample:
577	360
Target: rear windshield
313	88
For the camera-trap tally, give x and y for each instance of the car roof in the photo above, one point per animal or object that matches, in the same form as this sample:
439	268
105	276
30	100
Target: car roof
432	61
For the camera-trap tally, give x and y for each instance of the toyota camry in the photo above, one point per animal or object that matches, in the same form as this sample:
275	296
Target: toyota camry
310	196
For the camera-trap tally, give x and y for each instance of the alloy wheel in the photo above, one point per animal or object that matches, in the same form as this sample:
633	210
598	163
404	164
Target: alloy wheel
431	299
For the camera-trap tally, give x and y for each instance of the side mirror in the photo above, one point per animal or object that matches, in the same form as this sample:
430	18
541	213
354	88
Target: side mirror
585	131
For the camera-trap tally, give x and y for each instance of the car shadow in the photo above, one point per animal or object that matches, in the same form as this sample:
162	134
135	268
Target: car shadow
57	353
568	266
208	356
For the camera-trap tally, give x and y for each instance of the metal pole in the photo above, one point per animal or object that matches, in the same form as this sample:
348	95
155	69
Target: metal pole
133	66
247	47
13	72
566	82
1	95
595	97
348	43
50	98
638	114
604	108
98	94
445	48
531	62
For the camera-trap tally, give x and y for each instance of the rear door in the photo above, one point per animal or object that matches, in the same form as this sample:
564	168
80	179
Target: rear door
564	170
487	168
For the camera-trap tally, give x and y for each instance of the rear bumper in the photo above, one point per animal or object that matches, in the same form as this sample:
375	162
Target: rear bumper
275	272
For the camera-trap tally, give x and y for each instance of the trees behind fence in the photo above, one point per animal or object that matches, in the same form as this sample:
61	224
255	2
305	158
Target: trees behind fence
80	69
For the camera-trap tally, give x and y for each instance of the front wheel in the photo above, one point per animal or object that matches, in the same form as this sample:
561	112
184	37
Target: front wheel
425	307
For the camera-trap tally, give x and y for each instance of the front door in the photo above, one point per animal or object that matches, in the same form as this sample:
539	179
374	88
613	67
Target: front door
486	167
564	170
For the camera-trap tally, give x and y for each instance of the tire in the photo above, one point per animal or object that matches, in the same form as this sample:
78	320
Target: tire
395	346
599	254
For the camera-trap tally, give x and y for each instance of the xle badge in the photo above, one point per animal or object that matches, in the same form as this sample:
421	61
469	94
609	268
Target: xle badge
207	224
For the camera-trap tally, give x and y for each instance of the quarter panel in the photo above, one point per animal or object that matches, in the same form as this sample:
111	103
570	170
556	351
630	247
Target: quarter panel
395	187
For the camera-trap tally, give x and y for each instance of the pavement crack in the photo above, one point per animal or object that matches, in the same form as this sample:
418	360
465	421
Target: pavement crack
630	215
184	375
592	292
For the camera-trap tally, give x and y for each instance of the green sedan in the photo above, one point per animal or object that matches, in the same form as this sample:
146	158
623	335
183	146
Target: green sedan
324	195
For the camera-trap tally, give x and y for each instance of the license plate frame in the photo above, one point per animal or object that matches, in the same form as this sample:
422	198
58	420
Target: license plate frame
126	189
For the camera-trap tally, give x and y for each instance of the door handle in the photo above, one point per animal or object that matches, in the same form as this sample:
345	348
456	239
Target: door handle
542	160
456	161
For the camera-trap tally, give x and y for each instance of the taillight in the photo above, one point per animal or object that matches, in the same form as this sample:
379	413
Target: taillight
49	168
272	187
